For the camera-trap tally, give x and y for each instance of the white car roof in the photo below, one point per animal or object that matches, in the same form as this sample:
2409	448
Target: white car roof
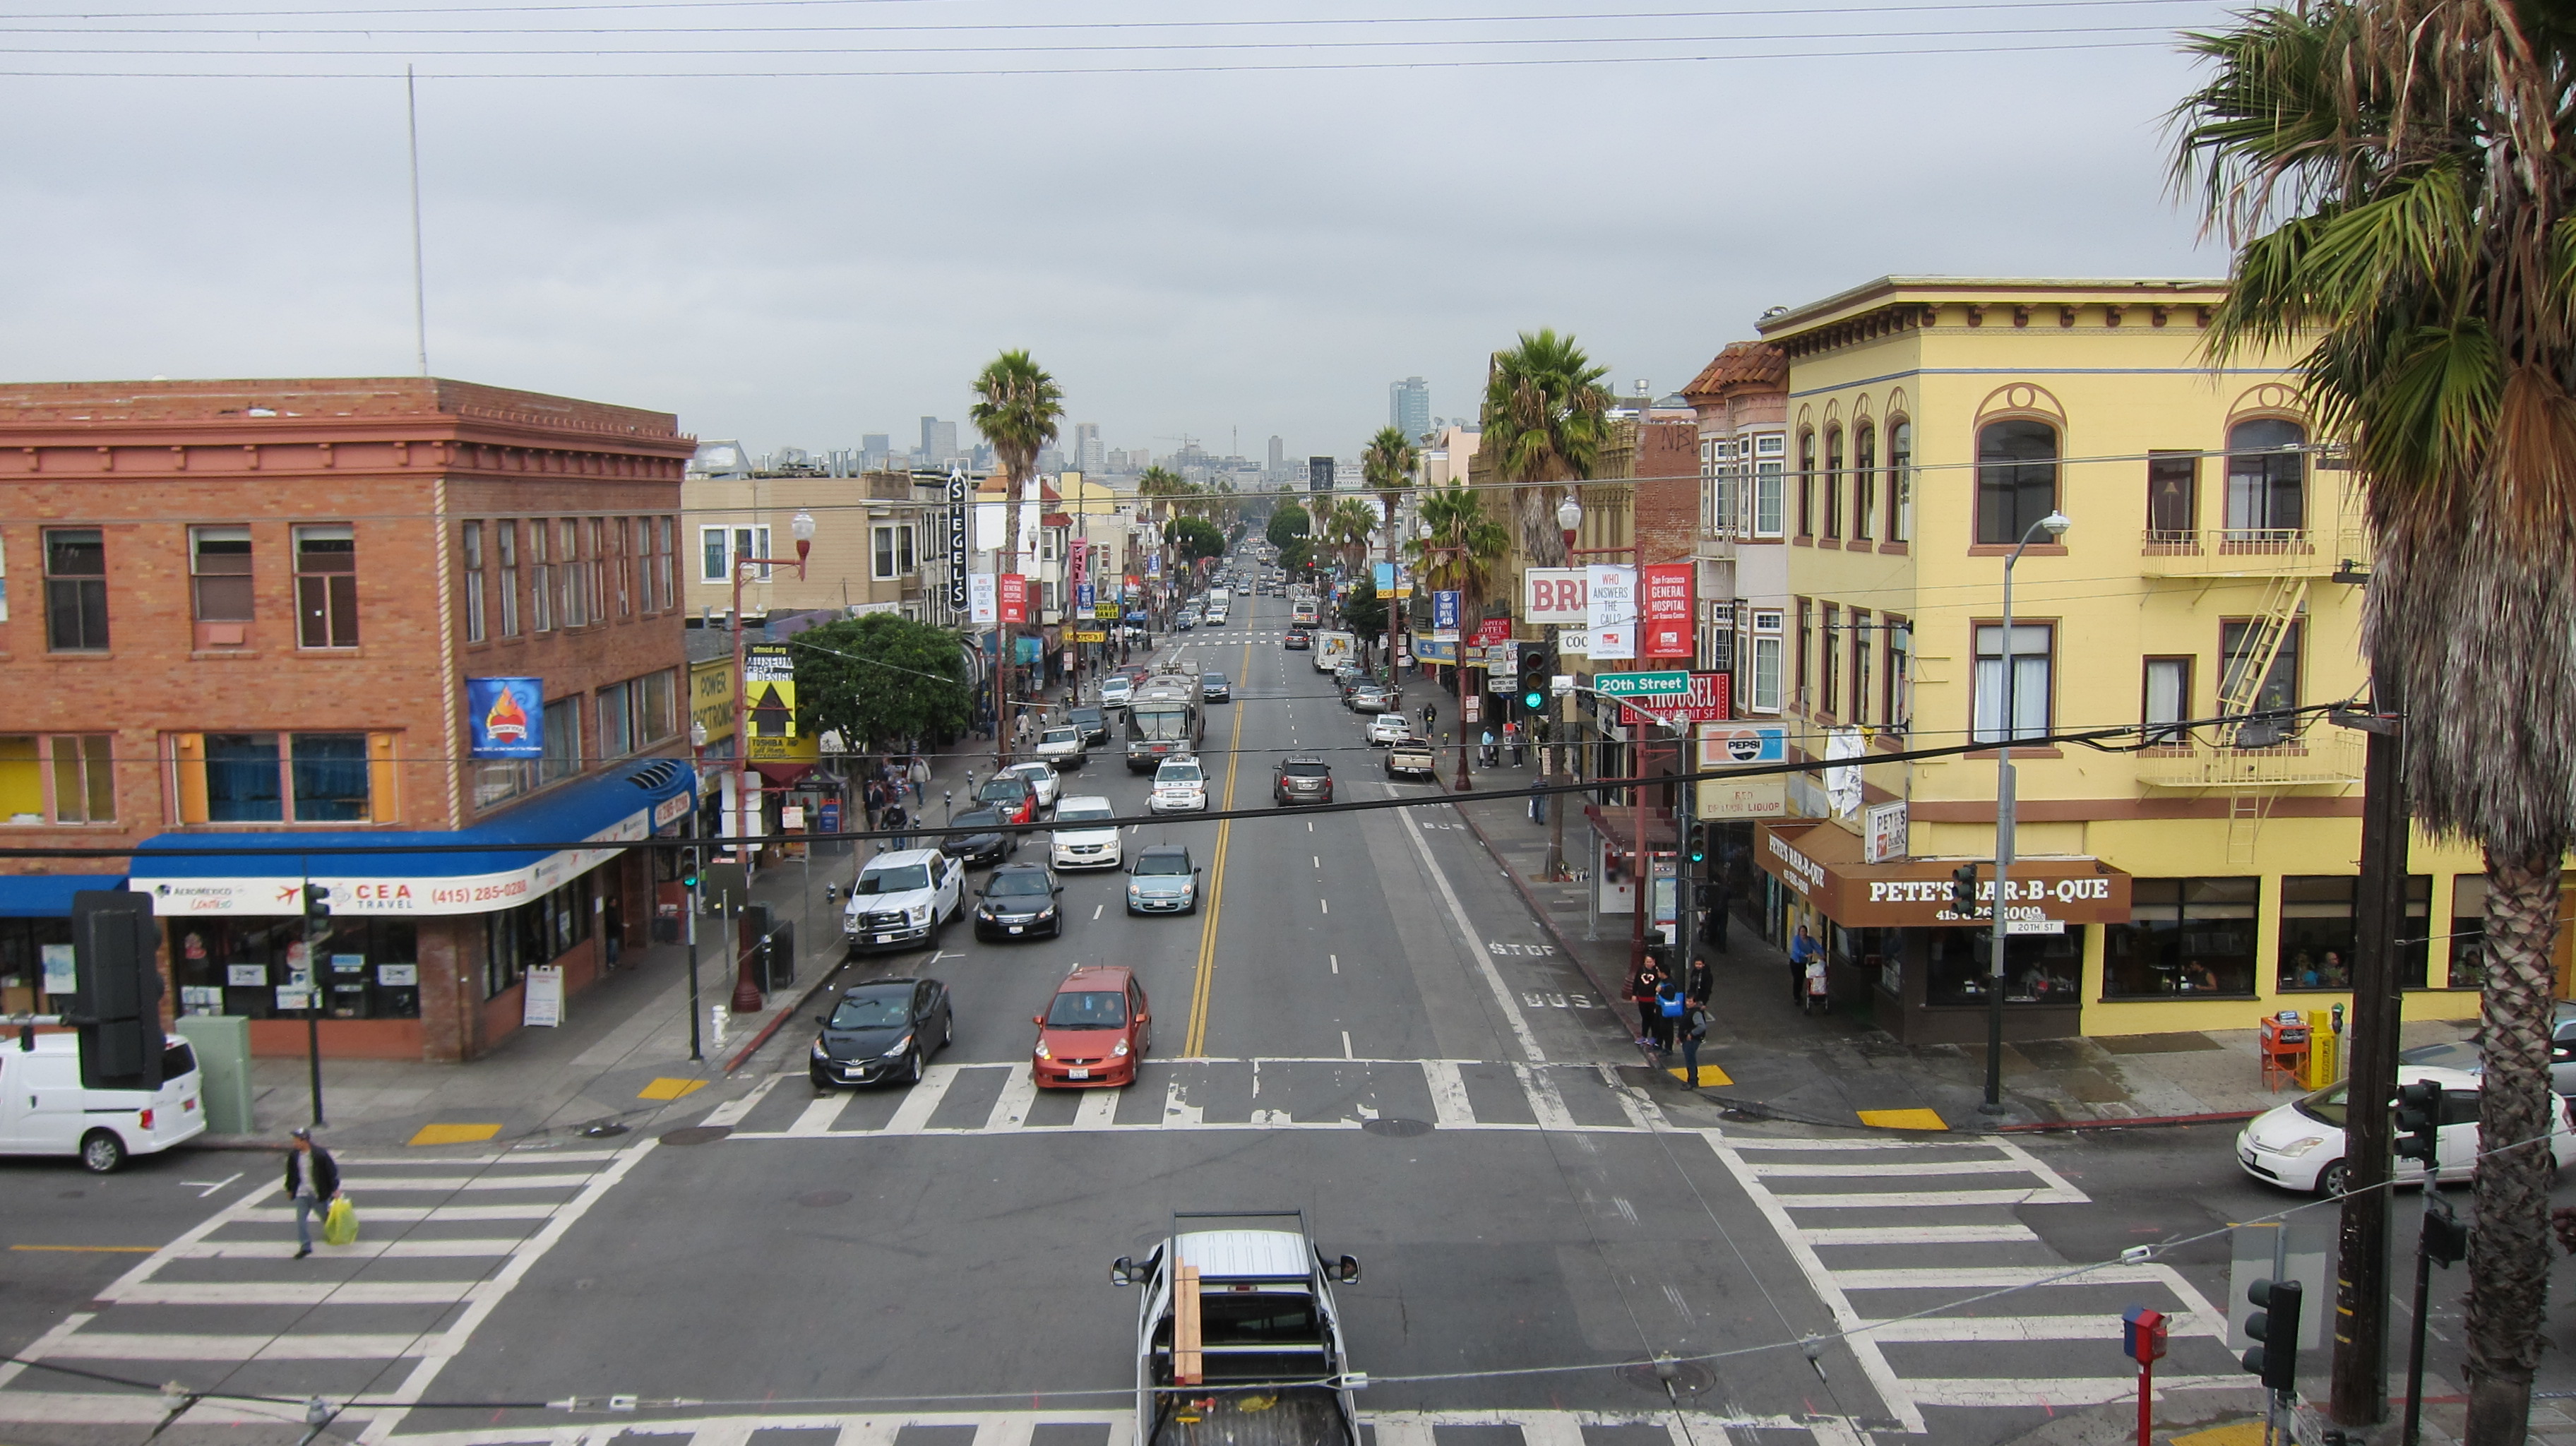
1244	1254
1083	800
896	858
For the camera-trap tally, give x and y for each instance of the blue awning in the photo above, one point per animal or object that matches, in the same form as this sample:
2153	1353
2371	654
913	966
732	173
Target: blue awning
48	896
503	861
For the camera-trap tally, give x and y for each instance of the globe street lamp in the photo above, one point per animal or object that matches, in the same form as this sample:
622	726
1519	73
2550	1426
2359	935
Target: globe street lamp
2055	525
1569	520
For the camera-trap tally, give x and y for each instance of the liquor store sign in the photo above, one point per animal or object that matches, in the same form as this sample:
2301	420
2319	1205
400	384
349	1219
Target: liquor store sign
1822	864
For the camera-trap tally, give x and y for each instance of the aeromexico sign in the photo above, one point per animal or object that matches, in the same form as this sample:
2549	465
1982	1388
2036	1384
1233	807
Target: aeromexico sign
391	892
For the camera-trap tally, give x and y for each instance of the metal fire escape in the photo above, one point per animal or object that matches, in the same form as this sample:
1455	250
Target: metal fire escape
2250	787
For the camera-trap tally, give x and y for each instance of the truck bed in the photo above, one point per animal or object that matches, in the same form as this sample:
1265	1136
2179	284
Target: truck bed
1298	1416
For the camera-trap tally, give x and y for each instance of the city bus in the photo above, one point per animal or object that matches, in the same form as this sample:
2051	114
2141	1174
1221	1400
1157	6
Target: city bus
1164	720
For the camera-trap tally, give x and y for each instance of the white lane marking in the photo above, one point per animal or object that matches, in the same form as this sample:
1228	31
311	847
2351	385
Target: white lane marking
914	1113
1318	858
1995	1234
281	1213
730	1113
1545	1102
1449	1107
1918	1199
1098	1110
299	1292
1310	825
1346	1044
379	1184
1337	962
1011	1108
1177	1111
361	1250
209	1186
1467	932
1872	1361
1325	904
155	1346
77	1408
1095	911
43	1345
817	1117
1878	1168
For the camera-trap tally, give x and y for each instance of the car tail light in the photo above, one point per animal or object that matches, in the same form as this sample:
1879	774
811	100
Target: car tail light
146	1121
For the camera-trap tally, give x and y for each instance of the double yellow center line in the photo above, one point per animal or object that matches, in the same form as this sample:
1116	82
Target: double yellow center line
1212	898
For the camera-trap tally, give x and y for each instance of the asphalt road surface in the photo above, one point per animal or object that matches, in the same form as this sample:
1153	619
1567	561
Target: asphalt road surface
1361	1023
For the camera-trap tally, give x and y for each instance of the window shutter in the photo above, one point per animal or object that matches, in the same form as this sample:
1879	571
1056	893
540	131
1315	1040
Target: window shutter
384	796
189	749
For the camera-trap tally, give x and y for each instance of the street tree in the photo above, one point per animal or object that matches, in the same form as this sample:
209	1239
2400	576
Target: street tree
1387	464
2395	178
881	681
1545	417
1197	538
1363	610
1288	520
1347	530
1018	408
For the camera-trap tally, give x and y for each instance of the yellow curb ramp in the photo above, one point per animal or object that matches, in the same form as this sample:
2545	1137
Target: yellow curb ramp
1914	1120
670	1089
1710	1077
453	1134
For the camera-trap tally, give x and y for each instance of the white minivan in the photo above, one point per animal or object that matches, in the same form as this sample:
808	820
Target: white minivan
45	1110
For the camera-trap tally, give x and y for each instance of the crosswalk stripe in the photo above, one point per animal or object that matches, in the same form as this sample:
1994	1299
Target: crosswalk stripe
2049	1391
731	1112
1098	1110
913	1114
1994	1277
1449	1107
295	1292
1019	1094
378	1183
154	1346
1923	1199
136	1408
2098	1327
272	1214
1881	1169
1920	1234
817	1117
360	1250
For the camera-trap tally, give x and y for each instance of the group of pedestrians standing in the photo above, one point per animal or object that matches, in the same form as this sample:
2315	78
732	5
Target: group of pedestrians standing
887	787
1672	1011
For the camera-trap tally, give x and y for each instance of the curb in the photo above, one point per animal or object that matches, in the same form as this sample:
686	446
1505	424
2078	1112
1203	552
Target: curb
743	1056
2138	1121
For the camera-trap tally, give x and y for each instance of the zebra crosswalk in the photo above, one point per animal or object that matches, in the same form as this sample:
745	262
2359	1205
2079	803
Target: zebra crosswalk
1212	1094
1855	1214
332	1325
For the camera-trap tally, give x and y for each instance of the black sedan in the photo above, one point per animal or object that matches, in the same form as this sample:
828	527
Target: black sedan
1094	725
990	843
882	1030
1019	902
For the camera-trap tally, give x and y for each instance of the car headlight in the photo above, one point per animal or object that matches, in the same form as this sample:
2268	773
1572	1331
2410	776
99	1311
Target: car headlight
1120	1052
983	911
900	1046
819	1051
2299	1146
1043	1052
919	913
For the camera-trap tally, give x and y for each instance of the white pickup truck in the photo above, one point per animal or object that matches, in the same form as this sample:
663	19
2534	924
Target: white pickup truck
1238	1342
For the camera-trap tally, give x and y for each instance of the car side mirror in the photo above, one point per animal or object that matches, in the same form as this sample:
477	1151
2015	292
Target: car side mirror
1347	1271
1038	1019
1196	870
823	1019
1122	1271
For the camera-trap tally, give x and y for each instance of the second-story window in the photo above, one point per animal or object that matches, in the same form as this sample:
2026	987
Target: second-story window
2173	487
1828	674
1835	477
2266	481
470	544
1900	480
662	564
1762	663
1769	483
893	548
75	589
572	602
505	536
1864	482
1897	706
639	558
2029	656
326	585
541	575
220	585
1860	640
595	567
2016	479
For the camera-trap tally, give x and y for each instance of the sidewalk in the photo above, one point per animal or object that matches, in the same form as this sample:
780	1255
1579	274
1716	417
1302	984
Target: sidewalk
1838	1068
620	1061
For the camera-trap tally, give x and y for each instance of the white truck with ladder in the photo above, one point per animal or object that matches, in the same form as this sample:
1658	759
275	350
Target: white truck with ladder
1238	1342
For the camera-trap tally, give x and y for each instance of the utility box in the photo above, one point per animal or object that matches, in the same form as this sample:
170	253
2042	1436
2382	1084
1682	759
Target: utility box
222	1046
782	957
2325	1062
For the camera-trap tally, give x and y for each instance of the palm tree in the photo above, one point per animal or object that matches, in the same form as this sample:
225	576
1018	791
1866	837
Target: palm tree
1018	410
1461	548
1545	416
2394	177
1387	466
1347	530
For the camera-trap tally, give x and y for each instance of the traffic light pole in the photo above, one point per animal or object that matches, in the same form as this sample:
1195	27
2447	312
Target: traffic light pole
317	905
696	1048
2415	1347
2360	1392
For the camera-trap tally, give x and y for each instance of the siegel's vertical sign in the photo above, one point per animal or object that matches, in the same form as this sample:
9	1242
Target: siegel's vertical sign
957	548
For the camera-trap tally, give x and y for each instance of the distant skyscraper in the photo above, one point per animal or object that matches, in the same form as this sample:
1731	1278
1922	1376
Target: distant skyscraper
1319	474
1408	407
1087	453
1278	456
874	448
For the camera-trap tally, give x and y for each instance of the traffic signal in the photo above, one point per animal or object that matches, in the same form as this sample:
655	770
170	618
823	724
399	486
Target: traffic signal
2275	1323
1963	891
2446	1237
317	902
1699	843
688	868
2419	1122
116	989
1537	666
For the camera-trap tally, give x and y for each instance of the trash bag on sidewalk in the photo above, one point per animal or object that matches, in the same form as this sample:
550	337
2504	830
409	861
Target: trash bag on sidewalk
340	1222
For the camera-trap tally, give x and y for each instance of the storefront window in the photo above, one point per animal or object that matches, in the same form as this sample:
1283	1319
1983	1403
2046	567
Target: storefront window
2468	939
2317	931
517	940
2184	936
2038	968
368	968
35	962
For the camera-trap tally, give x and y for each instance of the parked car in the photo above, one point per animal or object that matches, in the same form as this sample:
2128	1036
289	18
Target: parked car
903	897
1062	747
2463	1054
1303	778
2300	1145
1215	688
1042	777
1011	795
1180	786
1093	1031
1019	900
882	1030
1116	690
1084	837
1093	725
1388	728
1372	698
1412	757
1164	881
989	844
46	1110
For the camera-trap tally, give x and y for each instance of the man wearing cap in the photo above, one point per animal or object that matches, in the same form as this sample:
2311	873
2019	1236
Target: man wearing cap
312	1192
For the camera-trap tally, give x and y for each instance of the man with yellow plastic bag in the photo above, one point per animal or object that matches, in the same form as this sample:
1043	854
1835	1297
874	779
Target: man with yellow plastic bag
316	1189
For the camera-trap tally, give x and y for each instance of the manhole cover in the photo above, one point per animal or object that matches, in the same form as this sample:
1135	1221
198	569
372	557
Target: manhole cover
1689	1378
696	1134
1397	1128
821	1199
603	1129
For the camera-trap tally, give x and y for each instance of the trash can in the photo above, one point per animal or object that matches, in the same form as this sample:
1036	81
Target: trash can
222	1046
782	957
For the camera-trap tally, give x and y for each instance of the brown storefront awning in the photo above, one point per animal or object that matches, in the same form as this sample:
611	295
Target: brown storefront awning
1822	863
1617	824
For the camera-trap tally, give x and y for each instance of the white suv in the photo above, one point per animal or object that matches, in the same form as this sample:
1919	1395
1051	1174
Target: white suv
903	897
1083	837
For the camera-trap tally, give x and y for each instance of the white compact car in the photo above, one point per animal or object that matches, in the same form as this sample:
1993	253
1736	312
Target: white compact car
1180	786
1042	779
1116	692
2300	1145
1083	837
1062	747
1387	728
46	1110
903	897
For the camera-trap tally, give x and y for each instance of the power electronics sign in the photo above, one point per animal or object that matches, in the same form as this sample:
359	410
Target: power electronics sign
957	548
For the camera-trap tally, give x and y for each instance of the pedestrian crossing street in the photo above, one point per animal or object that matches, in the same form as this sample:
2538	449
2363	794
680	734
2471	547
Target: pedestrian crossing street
441	1243
1859	1215
1117	1428
1210	1094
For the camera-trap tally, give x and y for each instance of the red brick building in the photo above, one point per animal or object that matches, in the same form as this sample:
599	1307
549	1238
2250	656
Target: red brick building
253	612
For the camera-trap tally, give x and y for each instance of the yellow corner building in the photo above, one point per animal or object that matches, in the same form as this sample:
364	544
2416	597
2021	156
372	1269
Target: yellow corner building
2211	569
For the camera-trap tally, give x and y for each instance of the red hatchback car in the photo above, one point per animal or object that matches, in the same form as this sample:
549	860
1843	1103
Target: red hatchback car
1093	1031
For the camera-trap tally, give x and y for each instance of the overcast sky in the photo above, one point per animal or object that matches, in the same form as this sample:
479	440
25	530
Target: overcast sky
798	260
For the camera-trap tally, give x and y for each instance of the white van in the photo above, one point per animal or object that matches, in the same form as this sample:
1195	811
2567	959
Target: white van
45	1110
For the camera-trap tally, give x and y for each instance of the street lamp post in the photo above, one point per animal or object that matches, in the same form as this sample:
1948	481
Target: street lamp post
689	905
1569	518
746	990
2055	525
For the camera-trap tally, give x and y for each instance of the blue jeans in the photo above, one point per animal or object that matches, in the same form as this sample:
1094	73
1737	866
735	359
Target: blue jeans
1690	1059
306	1206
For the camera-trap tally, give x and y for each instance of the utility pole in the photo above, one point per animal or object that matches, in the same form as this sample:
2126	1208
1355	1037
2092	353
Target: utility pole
2360	1395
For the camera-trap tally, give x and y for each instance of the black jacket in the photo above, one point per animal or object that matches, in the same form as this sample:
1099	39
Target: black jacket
326	1173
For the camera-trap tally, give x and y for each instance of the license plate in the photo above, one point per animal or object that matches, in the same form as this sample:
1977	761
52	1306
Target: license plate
1015	928
885	938
1077	1074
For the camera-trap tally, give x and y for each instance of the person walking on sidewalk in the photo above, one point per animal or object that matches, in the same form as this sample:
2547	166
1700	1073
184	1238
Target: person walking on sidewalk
1641	992
1816	985
312	1187
920	773
1695	1023
1802	947
873	801
1538	799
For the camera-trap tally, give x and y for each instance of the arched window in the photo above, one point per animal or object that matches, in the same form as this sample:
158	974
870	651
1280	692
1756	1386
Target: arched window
2267	480
2016	479
1900	479
1834	479
1806	484
1864	482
